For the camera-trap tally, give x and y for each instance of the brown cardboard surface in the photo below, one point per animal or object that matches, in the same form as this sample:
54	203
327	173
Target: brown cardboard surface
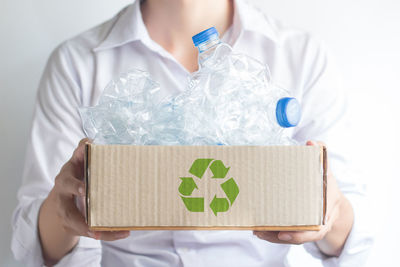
137	187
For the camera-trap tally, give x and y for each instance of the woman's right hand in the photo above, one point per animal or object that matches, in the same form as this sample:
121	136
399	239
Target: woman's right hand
60	221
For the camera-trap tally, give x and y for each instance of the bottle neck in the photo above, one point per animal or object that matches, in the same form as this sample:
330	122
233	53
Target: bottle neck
206	49
208	44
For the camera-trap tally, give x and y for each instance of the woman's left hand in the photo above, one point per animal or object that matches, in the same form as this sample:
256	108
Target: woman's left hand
332	235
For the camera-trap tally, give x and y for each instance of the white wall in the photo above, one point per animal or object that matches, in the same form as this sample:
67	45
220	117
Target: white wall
364	36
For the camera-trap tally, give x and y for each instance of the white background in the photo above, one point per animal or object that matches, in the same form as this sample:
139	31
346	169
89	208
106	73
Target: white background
364	36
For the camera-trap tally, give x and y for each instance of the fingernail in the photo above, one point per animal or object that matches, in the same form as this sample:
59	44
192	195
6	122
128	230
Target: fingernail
80	190
92	235
284	237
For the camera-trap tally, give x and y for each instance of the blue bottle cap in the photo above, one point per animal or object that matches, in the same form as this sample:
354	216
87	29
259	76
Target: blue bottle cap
205	35
288	112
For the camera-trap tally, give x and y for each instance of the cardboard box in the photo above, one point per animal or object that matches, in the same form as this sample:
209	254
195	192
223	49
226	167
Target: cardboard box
205	187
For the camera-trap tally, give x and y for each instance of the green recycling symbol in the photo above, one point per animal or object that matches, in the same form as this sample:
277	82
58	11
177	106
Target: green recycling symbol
219	171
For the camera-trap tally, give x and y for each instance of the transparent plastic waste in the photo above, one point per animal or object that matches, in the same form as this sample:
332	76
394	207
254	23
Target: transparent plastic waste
131	111
230	100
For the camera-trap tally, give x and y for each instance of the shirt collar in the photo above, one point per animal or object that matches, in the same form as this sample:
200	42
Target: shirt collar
129	25
249	19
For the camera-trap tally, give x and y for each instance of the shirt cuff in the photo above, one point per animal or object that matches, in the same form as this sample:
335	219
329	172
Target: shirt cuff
358	243
25	242
26	245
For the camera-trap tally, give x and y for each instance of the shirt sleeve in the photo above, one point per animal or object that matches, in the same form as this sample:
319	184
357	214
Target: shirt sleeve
55	132
324	105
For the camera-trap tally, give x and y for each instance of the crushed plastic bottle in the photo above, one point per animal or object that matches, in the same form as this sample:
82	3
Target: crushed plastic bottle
130	111
230	100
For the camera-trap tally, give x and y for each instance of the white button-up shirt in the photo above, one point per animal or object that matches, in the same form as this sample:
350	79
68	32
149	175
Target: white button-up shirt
78	71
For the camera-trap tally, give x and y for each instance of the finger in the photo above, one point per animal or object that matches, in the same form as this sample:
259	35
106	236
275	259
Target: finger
270	236
75	164
315	143
109	236
292	237
331	215
74	222
79	152
80	203
73	169
69	185
310	143
301	237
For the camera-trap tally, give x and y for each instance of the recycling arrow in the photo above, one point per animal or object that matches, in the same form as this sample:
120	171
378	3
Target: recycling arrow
199	167
231	189
219	171
187	186
219	205
194	204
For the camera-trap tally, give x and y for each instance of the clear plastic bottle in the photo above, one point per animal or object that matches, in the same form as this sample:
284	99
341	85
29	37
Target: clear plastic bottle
207	42
231	100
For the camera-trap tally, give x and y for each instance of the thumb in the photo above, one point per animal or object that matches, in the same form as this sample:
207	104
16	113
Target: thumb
79	152
315	143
